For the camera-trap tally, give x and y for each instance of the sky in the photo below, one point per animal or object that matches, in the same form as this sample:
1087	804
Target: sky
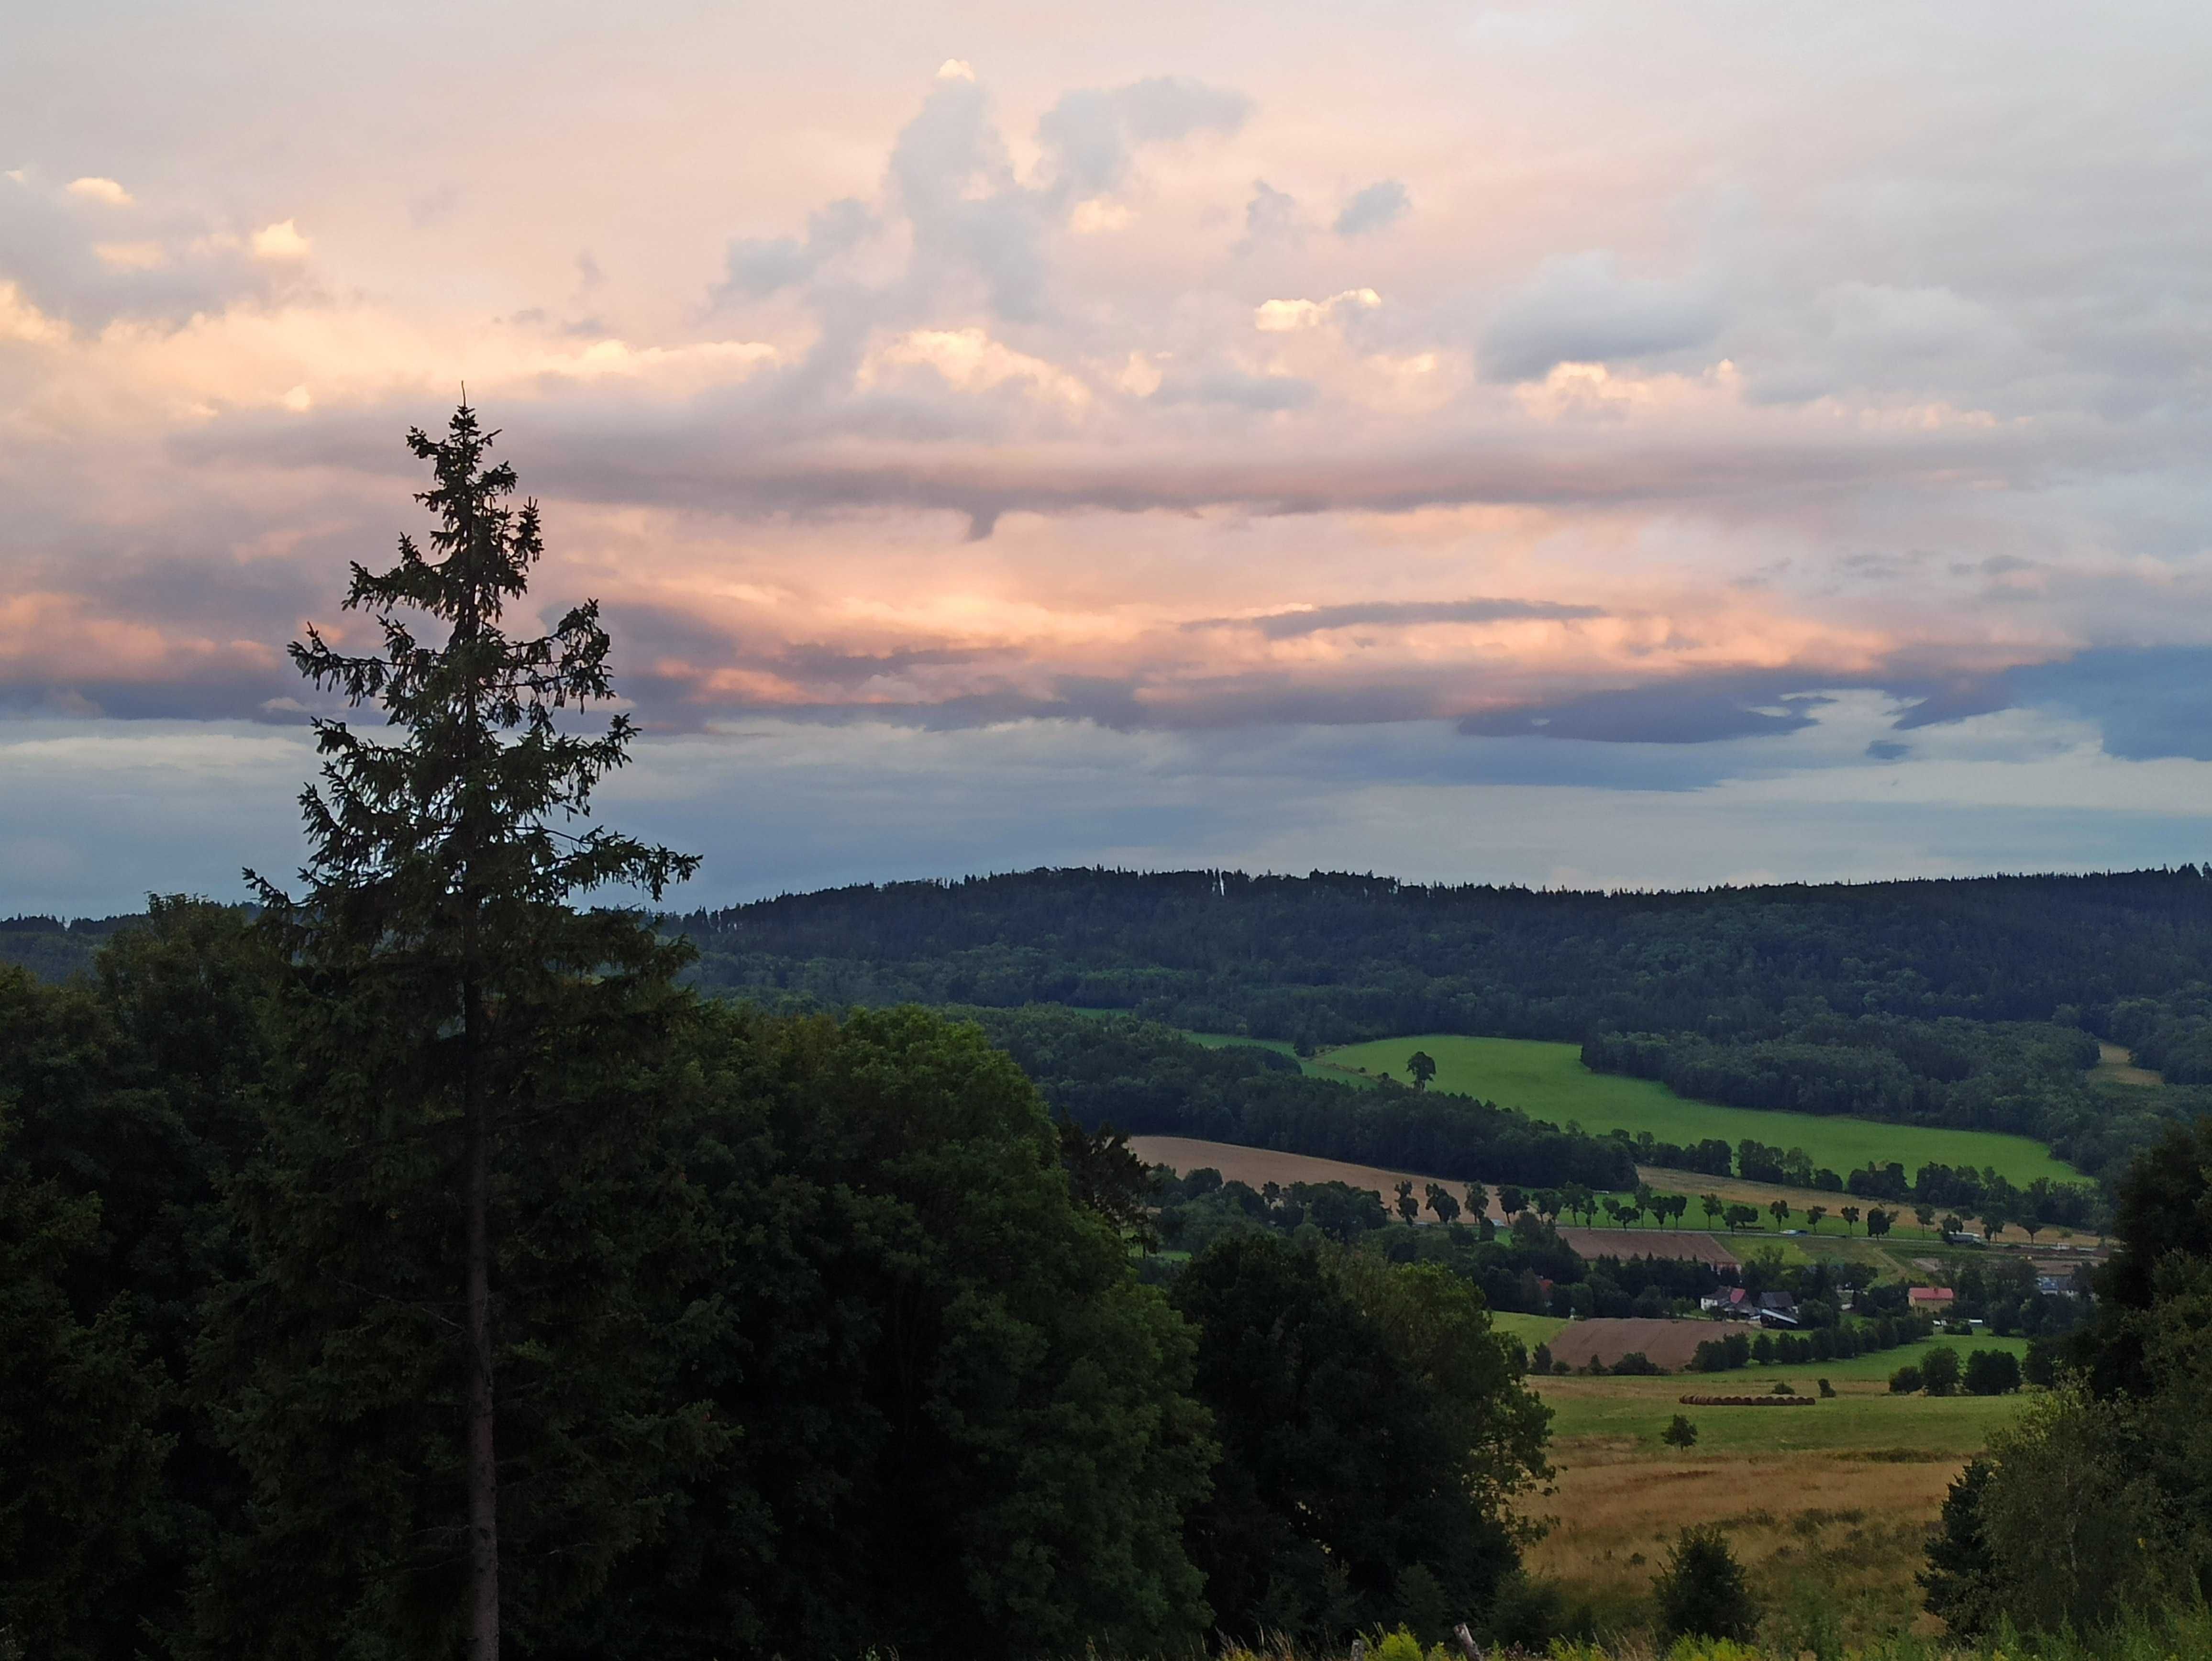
1594	445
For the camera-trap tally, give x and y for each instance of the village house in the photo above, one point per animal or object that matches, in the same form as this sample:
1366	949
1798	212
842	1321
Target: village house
1730	1303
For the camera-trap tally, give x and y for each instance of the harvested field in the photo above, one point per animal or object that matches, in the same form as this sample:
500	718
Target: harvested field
1835	1501
1687	1245
1670	1344
1258	1166
1853	1530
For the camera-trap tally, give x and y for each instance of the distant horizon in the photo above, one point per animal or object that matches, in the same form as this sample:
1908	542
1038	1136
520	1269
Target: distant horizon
12	918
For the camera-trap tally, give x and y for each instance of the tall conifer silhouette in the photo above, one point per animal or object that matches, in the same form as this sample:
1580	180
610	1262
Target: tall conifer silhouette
458	1036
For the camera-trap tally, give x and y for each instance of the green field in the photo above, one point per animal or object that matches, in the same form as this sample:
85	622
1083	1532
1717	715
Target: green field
1530	1329
1549	1081
1864	1417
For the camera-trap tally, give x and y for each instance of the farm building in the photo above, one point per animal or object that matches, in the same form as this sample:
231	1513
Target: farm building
1930	1300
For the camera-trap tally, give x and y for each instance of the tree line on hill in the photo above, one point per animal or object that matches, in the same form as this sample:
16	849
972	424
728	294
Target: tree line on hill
418	1268
1970	1003
1966	1003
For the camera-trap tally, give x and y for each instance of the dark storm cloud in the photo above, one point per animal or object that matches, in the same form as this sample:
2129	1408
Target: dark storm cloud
2148	703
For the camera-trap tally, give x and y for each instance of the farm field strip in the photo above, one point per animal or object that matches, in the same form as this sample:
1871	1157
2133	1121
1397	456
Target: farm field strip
1863	1417
1549	1081
1256	1165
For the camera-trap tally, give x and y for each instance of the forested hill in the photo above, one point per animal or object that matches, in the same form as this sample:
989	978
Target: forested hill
1968	1002
1333	957
1972	1002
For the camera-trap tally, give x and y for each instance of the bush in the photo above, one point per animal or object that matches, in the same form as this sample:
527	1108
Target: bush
1701	1591
1905	1381
1679	1432
1992	1372
1635	1364
1827	1390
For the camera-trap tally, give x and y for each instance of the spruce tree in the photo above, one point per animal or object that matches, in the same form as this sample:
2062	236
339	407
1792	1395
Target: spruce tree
436	1376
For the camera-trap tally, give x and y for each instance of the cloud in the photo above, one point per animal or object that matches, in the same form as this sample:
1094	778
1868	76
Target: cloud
1579	308
1271	218
1696	711
1222	385
100	190
1379	206
756	267
1284	316
1091	136
90	252
2147	703
281	240
1285	626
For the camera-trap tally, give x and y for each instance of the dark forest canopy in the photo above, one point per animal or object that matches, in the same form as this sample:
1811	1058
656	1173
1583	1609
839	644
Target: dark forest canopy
1339	958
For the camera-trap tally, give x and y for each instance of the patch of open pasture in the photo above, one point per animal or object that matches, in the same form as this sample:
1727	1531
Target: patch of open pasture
1549	1081
2116	1066
1530	1329
1876	1365
1257	1166
1863	1420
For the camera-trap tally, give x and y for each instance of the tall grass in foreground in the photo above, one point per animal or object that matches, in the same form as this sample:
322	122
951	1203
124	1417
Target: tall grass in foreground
2157	1636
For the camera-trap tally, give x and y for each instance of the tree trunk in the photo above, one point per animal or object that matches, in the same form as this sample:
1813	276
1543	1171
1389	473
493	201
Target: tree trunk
483	1462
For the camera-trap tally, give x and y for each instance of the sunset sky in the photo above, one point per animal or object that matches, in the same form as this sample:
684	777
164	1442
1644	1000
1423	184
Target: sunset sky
1576	444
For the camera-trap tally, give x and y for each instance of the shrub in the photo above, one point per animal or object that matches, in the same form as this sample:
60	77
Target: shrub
1701	1591
1827	1391
1679	1432
1905	1381
1635	1364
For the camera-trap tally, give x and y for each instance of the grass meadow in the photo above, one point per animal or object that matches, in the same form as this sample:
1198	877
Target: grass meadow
1549	1081
1828	1507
